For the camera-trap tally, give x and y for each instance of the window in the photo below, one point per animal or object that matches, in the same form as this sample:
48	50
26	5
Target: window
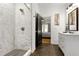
45	28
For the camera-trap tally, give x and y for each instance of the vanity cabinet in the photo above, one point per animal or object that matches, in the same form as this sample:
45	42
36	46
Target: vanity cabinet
69	44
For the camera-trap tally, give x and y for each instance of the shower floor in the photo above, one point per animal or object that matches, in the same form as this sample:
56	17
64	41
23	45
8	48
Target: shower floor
16	52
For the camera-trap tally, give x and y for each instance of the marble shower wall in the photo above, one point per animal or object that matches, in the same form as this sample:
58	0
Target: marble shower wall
22	20
7	27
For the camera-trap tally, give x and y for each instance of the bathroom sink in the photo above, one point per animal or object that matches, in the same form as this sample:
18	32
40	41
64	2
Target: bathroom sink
68	32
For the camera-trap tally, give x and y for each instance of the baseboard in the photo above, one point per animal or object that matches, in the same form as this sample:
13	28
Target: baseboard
28	53
54	43
33	50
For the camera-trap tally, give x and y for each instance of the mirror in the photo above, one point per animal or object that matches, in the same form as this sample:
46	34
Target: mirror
73	20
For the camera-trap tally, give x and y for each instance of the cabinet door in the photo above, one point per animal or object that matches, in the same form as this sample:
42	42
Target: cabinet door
71	45
61	42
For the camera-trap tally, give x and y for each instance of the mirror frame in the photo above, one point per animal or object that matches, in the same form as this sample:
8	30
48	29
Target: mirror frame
75	20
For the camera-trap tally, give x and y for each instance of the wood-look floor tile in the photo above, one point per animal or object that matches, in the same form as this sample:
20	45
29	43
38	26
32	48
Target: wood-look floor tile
48	50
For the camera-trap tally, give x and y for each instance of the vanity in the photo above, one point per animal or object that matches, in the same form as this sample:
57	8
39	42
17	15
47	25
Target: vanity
69	43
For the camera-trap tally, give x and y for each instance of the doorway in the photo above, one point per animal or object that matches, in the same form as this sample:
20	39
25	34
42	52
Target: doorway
46	30
43	30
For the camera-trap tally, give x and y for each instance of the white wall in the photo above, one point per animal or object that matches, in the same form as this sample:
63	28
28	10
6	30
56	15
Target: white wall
7	18
22	38
61	28
50	10
35	9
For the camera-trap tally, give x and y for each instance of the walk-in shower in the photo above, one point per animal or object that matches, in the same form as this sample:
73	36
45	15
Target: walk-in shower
15	29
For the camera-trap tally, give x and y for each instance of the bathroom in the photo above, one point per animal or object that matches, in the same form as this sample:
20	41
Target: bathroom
17	27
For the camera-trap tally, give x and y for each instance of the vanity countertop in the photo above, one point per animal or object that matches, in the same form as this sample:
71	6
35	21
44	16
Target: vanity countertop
72	33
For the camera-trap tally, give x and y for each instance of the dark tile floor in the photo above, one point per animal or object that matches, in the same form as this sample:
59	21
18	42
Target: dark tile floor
48	50
16	52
